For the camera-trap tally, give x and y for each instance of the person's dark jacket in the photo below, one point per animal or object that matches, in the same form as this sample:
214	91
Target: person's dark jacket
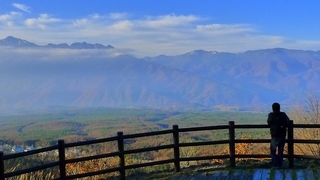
276	118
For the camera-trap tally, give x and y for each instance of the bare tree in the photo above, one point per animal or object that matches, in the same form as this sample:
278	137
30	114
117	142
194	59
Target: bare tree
308	114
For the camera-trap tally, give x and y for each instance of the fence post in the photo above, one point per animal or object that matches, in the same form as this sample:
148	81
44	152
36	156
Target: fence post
1	166
232	144
290	144
121	156
176	148
62	158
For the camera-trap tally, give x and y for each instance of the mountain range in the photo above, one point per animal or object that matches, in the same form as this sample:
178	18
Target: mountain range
20	43
200	79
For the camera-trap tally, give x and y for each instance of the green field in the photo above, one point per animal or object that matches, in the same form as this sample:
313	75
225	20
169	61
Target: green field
85	124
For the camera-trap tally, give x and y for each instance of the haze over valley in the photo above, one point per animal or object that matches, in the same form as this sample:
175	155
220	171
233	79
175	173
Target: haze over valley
94	75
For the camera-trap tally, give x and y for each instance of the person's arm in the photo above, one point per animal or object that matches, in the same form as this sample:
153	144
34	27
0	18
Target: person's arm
269	119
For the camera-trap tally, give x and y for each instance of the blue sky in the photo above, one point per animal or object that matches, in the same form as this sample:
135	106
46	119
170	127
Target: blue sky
150	28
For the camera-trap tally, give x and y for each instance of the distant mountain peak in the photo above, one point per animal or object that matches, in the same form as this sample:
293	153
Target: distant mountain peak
9	38
17	42
201	51
85	45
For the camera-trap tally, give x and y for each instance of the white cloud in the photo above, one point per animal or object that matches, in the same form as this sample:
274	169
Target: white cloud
224	29
42	21
22	7
168	21
6	17
122	26
80	22
118	16
95	16
56	54
149	36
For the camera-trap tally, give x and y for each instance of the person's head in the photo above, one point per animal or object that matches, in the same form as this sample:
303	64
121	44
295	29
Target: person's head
276	107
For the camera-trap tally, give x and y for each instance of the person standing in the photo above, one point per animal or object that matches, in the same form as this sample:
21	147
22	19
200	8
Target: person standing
278	122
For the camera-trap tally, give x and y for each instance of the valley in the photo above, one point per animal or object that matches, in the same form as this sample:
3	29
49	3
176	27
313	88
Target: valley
45	128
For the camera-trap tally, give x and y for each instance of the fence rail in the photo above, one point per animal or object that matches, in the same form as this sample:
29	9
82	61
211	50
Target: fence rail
175	146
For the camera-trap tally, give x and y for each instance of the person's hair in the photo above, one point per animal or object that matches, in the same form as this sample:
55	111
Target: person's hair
276	107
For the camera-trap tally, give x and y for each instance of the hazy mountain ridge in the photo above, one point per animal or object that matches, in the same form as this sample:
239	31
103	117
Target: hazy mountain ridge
198	79
20	43
277	69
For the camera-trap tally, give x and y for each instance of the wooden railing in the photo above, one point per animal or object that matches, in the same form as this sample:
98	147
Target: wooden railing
175	146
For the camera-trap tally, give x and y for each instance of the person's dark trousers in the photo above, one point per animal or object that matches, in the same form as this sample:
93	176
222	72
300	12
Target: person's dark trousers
277	143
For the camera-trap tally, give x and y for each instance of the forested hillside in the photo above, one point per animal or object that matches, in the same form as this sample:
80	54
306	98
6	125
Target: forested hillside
87	75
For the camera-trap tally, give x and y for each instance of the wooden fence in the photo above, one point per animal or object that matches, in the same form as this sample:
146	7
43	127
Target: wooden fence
175	146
